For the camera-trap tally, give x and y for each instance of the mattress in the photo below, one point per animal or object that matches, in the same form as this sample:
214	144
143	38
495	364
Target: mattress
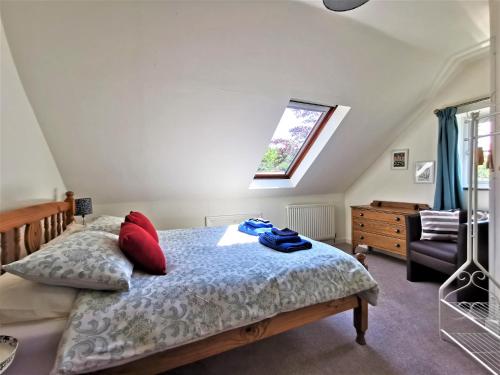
37	345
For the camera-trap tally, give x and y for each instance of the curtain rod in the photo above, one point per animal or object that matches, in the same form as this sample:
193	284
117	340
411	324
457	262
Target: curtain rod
465	103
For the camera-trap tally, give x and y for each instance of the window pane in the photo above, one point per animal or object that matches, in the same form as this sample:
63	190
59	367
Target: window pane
289	137
483	173
484	127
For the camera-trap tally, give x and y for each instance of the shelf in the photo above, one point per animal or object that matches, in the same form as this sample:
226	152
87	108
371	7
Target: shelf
484	347
486	315
473	326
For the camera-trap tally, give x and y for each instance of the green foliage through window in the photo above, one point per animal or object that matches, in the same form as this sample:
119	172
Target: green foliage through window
295	127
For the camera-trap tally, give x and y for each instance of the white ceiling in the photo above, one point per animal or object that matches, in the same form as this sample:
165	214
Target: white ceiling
152	100
440	26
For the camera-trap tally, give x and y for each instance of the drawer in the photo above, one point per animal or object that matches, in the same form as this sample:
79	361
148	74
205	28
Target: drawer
378	215
393	245
379	227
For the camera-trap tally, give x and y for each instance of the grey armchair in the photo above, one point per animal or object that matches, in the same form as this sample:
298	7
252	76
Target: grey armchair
442	256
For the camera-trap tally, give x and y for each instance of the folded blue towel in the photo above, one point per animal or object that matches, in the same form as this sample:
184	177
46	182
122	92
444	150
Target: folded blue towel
284	232
258	224
260	220
278	240
251	230
286	247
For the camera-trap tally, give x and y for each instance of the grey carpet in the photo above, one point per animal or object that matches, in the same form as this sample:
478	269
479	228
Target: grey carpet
402	338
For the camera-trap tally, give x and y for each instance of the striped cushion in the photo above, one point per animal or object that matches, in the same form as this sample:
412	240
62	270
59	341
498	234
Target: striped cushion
440	225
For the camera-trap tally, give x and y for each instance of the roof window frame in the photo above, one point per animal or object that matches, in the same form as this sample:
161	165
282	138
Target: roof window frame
328	111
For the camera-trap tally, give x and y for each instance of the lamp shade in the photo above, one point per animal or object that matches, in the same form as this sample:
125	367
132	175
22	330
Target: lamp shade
83	206
343	5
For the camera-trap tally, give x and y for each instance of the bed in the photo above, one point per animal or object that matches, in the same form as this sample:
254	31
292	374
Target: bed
297	289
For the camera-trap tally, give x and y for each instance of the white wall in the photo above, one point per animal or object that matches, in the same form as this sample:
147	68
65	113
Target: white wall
28	171
381	183
184	96
191	213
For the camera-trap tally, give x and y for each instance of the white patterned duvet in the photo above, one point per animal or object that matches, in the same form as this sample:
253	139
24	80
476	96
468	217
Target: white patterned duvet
217	279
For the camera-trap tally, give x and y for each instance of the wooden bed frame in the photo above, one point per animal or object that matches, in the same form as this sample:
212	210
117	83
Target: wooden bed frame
57	215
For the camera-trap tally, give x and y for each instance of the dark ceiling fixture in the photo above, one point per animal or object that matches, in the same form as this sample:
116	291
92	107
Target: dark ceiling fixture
343	5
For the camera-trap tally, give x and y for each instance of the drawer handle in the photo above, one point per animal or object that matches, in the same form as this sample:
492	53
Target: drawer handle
361	214
398	218
398	245
397	231
362	237
361	225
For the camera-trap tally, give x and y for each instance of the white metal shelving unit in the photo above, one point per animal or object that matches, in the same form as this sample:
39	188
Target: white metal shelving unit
473	326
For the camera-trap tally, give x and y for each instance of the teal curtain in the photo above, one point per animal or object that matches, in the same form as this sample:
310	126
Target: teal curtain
449	192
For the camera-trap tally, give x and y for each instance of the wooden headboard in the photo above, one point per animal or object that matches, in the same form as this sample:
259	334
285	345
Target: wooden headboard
49	219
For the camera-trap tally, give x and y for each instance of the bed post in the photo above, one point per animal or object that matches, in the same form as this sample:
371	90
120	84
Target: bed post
70	214
361	320
361	312
361	259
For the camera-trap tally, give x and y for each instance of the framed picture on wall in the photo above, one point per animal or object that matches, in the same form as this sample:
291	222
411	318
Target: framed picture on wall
425	171
399	159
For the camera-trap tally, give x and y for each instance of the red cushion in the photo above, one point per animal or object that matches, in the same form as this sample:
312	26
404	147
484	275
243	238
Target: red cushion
141	249
141	220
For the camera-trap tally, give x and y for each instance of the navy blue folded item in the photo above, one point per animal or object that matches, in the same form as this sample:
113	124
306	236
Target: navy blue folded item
258	224
286	247
284	232
251	230
278	240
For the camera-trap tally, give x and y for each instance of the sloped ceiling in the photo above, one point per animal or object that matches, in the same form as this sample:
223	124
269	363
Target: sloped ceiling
443	27
153	100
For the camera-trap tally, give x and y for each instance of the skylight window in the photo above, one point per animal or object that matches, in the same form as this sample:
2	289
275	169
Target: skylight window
297	130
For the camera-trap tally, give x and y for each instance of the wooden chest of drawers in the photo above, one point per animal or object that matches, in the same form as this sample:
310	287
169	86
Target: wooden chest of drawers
382	225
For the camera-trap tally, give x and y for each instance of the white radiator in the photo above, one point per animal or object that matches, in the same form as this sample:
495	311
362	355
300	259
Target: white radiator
216	221
316	221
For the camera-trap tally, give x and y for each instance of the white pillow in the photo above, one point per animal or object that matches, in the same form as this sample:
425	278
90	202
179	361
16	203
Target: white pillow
70	229
22	300
105	223
87	259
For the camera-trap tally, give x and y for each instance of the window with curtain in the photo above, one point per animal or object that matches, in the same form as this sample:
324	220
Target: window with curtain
464	114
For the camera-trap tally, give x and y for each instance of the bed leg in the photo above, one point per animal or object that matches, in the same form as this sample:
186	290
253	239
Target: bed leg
361	321
361	259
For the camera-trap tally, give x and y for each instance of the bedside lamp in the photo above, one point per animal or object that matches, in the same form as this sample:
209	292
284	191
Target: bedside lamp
83	206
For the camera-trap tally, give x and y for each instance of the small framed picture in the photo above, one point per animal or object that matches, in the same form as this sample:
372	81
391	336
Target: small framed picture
424	172
399	159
